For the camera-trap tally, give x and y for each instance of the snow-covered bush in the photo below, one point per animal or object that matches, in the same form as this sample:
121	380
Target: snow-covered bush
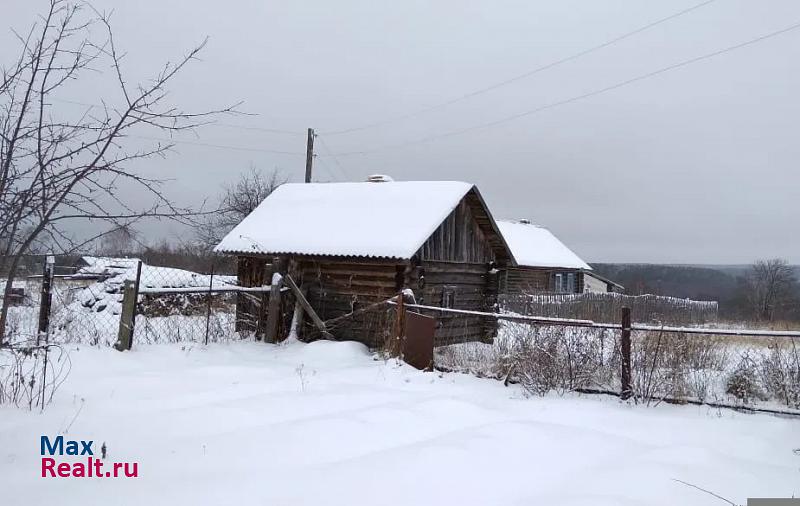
676	366
545	358
780	373
540	358
743	382
558	358
479	359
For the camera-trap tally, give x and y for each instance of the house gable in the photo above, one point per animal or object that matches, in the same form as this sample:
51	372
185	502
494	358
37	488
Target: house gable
468	234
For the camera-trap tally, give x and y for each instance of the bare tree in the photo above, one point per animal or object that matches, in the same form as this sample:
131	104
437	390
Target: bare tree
236	202
770	286
58	167
119	241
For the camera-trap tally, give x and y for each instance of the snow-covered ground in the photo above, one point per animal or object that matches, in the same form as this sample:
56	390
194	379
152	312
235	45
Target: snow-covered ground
327	423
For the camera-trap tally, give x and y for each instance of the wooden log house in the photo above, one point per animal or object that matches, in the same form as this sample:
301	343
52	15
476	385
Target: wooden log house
350	245
545	264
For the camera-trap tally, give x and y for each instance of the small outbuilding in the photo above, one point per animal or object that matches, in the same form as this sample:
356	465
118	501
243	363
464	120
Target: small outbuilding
99	268
350	245
545	264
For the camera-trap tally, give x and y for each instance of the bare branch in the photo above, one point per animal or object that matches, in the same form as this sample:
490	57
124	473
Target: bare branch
55	169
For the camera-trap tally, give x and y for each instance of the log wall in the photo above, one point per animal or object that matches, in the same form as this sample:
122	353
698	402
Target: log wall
336	288
251	308
457	259
460	286
518	280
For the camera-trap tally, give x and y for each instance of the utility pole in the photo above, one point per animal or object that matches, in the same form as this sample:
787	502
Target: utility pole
309	154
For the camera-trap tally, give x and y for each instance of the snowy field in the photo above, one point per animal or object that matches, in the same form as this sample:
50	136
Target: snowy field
327	423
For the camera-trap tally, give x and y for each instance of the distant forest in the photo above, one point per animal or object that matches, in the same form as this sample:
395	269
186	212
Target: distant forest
723	283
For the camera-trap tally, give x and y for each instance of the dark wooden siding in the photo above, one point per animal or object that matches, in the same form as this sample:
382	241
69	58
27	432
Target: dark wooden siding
457	259
520	280
251	308
336	288
458	239
470	286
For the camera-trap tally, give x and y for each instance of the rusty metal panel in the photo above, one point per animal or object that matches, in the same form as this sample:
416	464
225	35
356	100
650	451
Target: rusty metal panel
418	344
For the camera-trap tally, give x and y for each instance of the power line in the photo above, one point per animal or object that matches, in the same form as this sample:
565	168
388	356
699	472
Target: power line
524	75
206	144
210	124
327	169
582	96
333	156
258	129
220	146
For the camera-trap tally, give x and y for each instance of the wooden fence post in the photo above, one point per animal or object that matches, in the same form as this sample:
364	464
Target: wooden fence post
625	350
135	300
208	307
45	298
125	333
274	309
399	331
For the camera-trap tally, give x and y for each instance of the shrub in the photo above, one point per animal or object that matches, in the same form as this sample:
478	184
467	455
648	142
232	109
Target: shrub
780	373
557	358
743	384
677	366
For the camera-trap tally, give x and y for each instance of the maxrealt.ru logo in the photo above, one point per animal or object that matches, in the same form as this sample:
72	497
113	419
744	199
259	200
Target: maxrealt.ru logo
88	465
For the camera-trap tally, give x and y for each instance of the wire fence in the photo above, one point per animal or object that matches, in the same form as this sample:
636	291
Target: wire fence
88	305
652	363
727	367
606	307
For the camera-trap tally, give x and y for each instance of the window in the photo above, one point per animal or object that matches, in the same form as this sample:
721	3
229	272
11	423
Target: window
448	296
564	282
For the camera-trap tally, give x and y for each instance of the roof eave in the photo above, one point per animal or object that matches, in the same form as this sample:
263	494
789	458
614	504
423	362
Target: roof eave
271	254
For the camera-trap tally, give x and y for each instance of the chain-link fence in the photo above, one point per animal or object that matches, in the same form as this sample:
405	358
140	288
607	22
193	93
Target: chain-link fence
733	367
23	310
86	303
175	305
108	299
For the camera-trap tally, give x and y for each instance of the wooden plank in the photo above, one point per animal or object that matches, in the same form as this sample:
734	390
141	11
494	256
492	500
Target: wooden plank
304	303
345	273
353	314
443	266
360	283
125	332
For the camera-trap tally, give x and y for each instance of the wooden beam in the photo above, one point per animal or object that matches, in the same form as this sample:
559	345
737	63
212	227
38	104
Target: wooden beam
306	306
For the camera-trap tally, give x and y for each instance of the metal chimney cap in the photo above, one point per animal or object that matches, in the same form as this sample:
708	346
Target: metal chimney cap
379	178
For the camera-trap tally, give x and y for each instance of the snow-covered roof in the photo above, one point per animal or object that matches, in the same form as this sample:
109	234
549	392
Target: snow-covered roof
535	246
375	219
104	266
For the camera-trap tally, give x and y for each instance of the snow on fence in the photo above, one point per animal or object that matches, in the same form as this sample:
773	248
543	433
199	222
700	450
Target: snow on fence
750	369
606	307
167	305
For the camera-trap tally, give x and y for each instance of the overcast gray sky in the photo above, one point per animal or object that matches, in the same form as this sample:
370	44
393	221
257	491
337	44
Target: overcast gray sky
696	165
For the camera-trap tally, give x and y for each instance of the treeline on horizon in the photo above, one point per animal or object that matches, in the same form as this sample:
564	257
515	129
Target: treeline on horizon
728	285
